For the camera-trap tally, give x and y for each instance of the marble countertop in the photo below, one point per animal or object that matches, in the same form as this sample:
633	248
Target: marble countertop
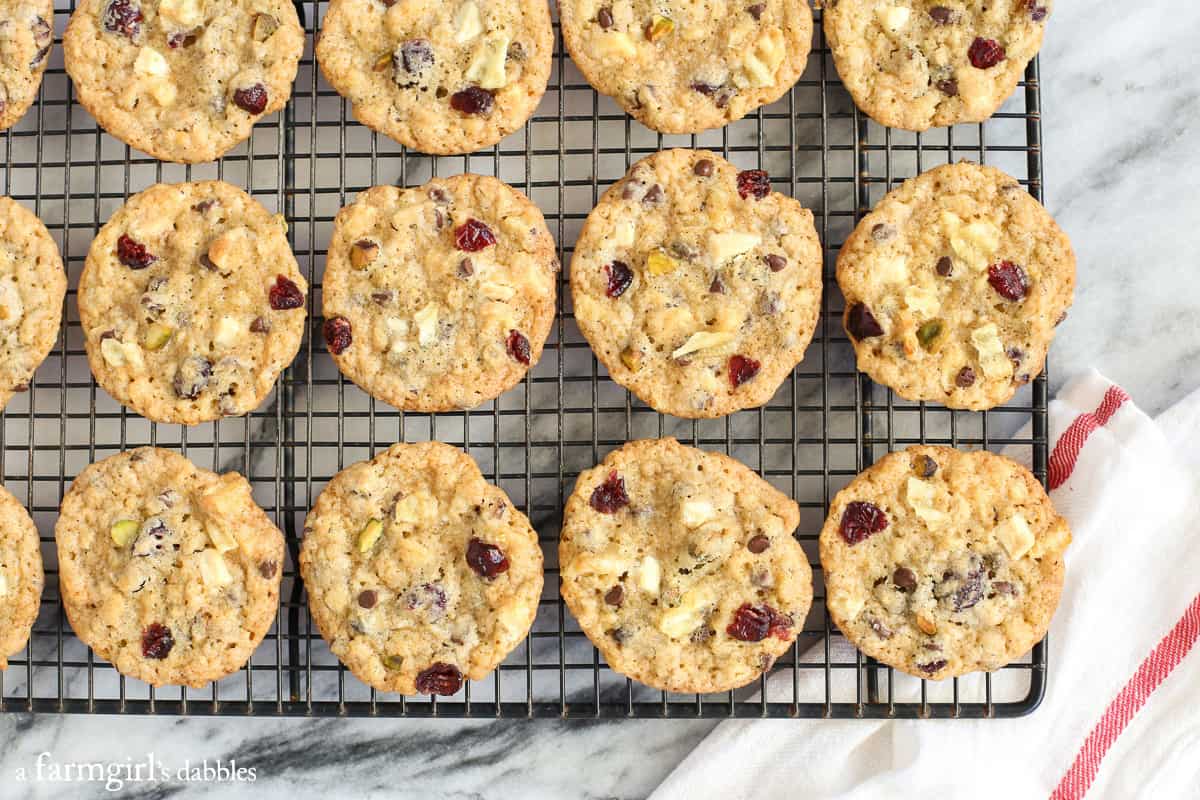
1122	177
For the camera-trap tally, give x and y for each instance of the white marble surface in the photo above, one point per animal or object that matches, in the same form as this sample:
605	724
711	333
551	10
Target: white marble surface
1122	114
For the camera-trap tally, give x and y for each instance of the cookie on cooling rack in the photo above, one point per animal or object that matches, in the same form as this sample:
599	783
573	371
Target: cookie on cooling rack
441	78
940	562
168	571
685	67
439	297
191	302
21	576
954	285
26	35
697	286
914	64
182	80
681	568
32	287
419	573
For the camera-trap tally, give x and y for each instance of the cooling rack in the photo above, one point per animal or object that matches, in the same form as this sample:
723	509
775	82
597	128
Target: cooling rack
826	423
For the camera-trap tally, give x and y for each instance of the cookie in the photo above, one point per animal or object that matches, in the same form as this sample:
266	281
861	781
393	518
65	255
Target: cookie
32	286
697	287
940	562
182	80
914	64
191	302
21	576
681	568
439	297
419	572
954	285
685	67
26	35
168	571
440	78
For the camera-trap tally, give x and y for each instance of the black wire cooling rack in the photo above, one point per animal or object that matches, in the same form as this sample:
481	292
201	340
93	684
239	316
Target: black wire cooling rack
826	423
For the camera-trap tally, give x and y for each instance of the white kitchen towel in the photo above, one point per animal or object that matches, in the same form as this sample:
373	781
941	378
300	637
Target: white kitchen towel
1121	716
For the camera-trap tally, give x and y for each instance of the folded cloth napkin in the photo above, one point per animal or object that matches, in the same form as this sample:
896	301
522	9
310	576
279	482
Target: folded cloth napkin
1121	716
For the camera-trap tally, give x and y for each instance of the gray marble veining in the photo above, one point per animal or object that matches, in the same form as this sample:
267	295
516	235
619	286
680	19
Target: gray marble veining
1122	110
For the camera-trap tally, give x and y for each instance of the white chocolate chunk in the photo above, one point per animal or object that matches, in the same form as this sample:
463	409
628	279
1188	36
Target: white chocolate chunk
992	359
922	497
213	570
467	22
623	233
650	575
221	539
923	301
847	603
890	270
416	509
397	332
151	64
487	68
696	511
11	307
702	340
427	319
186	13
119	354
762	62
227	333
1015	536
164	92
617	45
680	621
730	245
494	290
975	243
3	585
892	18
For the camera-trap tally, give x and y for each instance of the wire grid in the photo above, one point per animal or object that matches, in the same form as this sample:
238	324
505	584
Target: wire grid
826	423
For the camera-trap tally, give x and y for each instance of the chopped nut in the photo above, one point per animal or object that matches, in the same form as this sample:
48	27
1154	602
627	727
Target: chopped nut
369	535
393	662
363	253
659	27
927	626
123	531
631	358
659	263
928	333
264	26
156	336
703	340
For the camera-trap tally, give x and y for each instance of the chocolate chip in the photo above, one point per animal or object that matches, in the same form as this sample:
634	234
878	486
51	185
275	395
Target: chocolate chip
965	378
703	168
881	630
260	325
775	262
948	87
465	268
932	666
758	544
941	15
1003	587
368	598
925	466
267	568
904	579
618	634
756	10
881	231
654	195
944	267
861	323
717	286
615	595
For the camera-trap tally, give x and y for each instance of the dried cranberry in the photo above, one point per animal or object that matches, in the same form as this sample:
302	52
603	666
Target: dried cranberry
619	278
472	236
969	592
252	99
123	17
615	596
758	544
473	101
717	286
133	254
518	347
441	678
742	369
860	521
285	294
486	559
610	497
753	182
157	641
1009	280
337	334
985	53
861	323
755	623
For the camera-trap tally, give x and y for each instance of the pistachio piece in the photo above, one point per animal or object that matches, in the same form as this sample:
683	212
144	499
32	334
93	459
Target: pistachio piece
123	531
631	358
156	336
928	333
659	263
393	662
369	535
659	27
264	26
363	253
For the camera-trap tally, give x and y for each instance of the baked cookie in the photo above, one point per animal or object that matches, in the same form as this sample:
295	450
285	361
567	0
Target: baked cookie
441	78
914	64
26	35
21	576
685	67
697	287
940	562
419	572
439	297
954	285
681	568
168	571
182	80
191	302
32	286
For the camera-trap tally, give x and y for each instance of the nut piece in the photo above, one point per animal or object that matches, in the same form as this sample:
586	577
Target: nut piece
156	336
123	531
369	535
927	626
703	340
731	244
632	359
264	26
362	253
659	27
